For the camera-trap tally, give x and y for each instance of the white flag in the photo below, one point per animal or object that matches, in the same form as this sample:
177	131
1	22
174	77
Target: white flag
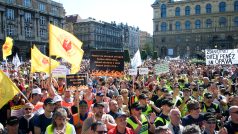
16	61
136	60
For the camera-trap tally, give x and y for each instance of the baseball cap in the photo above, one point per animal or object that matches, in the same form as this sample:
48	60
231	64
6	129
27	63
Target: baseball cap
136	105
48	101
208	95
99	94
82	103
57	98
167	102
120	114
186	89
13	120
98	104
143	96
209	117
36	90
165	90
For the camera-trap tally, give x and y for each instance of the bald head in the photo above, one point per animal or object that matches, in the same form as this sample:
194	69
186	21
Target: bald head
175	116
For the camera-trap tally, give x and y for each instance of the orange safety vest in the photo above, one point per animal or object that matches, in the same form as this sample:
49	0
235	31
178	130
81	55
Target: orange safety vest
61	90
77	120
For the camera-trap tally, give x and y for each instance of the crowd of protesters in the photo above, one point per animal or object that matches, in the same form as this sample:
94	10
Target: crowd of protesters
189	99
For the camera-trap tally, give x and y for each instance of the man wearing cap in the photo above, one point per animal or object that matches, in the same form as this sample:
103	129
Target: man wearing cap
99	115
138	121
45	119
13	125
58	104
27	118
121	128
194	116
209	123
182	104
80	117
101	98
208	103
147	106
36	97
164	91
163	118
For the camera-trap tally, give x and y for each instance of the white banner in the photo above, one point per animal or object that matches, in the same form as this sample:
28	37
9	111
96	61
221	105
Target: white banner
132	71
219	57
143	71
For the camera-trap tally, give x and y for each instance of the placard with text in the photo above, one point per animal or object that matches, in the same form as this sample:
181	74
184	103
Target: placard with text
76	80
107	63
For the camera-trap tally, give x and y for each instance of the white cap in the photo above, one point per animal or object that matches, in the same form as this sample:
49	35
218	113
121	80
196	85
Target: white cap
36	91
57	98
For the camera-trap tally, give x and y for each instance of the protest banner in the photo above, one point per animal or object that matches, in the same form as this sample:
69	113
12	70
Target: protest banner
161	68
107	63
76	80
132	72
60	72
143	71
220	57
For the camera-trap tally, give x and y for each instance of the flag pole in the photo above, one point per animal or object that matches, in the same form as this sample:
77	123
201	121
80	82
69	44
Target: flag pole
49	57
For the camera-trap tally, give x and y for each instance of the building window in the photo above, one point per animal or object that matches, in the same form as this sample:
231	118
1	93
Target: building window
187	25
197	9
222	7
10	1
54	10
187	10
163	11
197	24
43	32
42	20
208	23
41	7
222	21
27	3
177	11
10	30
27	17
236	21
163	26
236	6
27	31
178	26
10	14
209	8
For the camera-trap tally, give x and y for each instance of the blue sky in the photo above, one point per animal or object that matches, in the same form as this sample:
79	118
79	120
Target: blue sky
133	12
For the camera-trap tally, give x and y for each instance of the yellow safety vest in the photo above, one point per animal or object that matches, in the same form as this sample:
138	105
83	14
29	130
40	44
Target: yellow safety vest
148	110
161	119
50	130
145	125
205	109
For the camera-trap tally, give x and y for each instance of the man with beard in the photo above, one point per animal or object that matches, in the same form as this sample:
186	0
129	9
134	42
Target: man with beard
121	128
99	116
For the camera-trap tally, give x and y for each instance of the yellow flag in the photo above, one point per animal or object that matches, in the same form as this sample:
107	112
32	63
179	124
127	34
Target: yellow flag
7	89
40	62
65	45
7	47
74	69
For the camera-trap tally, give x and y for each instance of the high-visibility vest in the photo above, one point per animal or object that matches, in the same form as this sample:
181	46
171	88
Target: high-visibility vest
148	110
50	129
205	109
145	125
164	121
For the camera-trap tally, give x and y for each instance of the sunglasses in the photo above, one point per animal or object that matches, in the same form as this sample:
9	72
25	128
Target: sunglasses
28	108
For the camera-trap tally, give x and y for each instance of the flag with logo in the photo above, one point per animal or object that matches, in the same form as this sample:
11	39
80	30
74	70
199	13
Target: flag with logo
7	89
7	47
136	60
65	45
40	62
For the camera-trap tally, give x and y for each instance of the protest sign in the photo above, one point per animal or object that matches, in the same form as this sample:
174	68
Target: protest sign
143	71
220	57
161	68
132	71
60	72
76	80
106	63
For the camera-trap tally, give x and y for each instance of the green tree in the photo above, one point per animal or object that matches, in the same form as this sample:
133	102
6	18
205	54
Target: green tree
155	55
148	47
143	55
126	56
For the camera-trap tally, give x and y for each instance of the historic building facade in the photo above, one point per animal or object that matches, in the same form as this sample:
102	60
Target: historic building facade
186	27
100	35
26	21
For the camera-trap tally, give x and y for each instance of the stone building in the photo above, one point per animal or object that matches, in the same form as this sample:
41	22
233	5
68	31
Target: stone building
187	27
26	21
